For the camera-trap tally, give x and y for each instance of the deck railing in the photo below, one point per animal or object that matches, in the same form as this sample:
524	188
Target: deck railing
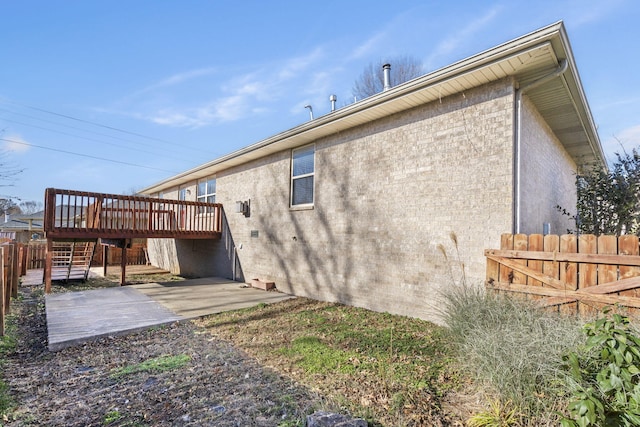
73	214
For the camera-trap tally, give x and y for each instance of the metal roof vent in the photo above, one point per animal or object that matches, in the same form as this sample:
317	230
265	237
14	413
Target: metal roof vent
310	111
386	70
333	100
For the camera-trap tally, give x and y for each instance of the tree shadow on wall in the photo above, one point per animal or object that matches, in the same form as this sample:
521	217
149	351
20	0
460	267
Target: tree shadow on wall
314	249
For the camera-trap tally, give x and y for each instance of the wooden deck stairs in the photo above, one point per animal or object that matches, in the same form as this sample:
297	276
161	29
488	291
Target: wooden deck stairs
72	260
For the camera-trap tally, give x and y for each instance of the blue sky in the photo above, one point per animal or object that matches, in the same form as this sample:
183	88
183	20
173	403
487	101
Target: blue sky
146	89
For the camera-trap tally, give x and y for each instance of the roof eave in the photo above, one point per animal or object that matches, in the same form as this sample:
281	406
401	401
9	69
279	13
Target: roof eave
344	118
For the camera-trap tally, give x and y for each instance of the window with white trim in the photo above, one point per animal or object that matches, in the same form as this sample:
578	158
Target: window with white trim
207	190
302	175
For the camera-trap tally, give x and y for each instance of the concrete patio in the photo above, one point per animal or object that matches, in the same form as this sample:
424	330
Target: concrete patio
77	317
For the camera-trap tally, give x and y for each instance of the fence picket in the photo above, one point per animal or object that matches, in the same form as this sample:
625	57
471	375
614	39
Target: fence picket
551	244
505	273
7	276
628	245
3	285
587	272
520	244
607	245
536	243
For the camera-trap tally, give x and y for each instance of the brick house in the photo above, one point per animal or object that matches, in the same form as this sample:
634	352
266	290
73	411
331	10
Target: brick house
357	205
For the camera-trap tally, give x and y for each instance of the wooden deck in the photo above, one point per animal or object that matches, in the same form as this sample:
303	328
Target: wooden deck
81	216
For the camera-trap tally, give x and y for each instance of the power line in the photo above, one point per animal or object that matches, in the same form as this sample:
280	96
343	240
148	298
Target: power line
66	116
83	137
75	128
84	155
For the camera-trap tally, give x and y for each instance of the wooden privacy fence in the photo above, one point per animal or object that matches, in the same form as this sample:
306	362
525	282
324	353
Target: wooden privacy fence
577	273
35	254
9	277
136	255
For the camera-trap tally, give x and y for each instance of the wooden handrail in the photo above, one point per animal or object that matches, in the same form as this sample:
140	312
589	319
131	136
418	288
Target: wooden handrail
81	214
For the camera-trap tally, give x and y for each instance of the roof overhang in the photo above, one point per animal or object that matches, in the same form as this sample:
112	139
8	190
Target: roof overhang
561	102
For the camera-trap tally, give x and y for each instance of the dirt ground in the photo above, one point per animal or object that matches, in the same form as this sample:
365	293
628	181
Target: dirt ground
83	386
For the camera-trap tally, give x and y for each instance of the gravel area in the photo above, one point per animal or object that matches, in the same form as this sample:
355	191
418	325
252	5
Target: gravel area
213	383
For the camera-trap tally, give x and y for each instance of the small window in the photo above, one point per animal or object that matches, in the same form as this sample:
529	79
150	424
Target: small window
302	175
207	190
182	193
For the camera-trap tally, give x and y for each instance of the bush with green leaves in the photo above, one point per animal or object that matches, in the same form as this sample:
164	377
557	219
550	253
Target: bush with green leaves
606	375
608	200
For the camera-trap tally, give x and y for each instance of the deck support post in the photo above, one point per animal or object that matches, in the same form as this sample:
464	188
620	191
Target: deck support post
105	259
48	264
123	264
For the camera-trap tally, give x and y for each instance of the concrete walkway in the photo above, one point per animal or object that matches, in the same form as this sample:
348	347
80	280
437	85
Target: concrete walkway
77	317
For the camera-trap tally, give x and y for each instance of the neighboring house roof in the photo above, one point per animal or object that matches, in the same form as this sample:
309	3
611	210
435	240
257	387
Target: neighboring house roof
18	225
561	102
34	221
63	212
36	215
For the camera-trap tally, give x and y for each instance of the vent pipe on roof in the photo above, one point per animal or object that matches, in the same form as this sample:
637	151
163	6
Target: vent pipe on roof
333	100
7	217
310	111
386	71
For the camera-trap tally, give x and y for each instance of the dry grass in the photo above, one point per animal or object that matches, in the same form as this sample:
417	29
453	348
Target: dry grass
391	370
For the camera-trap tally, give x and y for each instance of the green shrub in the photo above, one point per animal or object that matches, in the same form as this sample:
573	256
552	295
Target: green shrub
606	375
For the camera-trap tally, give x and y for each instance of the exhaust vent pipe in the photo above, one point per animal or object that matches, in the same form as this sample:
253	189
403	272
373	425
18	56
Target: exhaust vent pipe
386	70
310	108
333	100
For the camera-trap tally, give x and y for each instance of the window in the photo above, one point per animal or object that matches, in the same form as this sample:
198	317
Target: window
182	194
302	173
207	190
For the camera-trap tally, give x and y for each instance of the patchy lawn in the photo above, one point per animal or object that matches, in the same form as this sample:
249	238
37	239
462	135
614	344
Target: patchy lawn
270	365
391	370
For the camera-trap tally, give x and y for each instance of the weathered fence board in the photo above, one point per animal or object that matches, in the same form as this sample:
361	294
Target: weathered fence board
135	255
3	284
574	273
9	277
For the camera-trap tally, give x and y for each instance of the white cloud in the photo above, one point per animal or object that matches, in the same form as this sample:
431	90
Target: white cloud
452	43
174	80
365	48
241	96
617	104
294	66
626	139
15	143
584	13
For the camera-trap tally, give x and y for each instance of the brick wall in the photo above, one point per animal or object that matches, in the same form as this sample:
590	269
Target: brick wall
388	196
547	176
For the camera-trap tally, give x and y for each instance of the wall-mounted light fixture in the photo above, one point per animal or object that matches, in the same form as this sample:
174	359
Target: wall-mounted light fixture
244	207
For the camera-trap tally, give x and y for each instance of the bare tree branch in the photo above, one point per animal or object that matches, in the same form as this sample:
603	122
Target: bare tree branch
371	81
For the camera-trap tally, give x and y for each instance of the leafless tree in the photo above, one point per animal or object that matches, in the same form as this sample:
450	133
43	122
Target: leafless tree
8	206
8	174
371	81
30	207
